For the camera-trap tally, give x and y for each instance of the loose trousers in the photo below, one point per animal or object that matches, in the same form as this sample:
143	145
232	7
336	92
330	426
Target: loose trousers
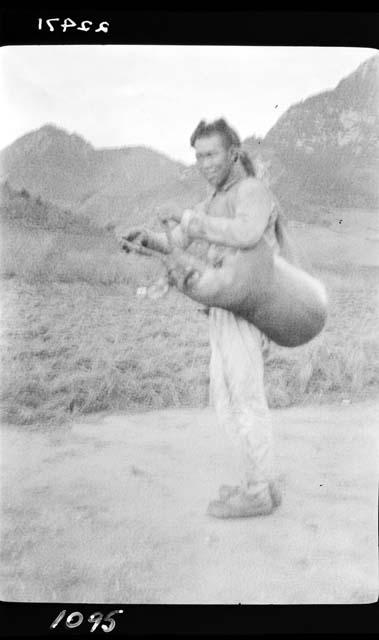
238	396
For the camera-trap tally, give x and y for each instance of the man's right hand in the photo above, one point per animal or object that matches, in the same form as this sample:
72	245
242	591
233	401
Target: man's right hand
139	236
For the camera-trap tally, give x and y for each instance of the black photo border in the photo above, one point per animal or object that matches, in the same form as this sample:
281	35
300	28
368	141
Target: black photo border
326	28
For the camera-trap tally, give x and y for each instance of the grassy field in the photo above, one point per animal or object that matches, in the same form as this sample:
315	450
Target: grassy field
77	339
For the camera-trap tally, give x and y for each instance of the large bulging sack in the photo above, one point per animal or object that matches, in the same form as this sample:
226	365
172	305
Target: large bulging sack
280	299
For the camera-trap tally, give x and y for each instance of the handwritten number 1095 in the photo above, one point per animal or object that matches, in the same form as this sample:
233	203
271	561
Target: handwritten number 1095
76	618
67	23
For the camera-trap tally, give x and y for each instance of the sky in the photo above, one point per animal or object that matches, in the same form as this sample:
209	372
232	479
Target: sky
155	95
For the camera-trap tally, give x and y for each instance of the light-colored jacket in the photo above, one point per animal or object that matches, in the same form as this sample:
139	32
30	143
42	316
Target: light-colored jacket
232	217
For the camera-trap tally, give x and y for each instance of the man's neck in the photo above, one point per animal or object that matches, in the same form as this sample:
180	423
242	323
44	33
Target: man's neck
235	174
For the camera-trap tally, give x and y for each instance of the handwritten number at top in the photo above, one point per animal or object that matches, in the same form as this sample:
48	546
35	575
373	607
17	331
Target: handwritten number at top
68	23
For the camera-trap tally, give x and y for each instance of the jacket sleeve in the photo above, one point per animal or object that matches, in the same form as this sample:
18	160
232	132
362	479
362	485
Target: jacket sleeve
253	208
158	240
179	234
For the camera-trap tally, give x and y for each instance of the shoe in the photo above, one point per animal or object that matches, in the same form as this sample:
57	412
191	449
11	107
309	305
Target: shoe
227	490
240	504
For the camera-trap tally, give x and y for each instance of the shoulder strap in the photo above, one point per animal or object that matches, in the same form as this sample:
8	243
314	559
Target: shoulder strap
289	247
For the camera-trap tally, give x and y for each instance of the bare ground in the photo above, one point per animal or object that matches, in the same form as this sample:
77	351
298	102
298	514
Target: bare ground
112	509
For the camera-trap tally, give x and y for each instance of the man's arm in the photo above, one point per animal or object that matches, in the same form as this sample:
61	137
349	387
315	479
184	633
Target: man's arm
253	208
158	240
179	236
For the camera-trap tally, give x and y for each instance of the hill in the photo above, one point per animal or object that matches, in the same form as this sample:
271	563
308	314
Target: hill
322	153
19	208
103	184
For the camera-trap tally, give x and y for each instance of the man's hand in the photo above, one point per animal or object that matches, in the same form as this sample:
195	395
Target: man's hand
139	236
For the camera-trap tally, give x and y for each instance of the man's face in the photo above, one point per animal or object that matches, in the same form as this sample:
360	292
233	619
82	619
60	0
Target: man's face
213	159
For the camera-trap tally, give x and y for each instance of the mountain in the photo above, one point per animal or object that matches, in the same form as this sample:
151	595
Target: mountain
325	149
322	153
22	209
49	162
103	184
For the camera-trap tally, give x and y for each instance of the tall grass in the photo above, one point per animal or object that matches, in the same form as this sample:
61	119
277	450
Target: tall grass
38	256
79	348
77	339
324	371
341	364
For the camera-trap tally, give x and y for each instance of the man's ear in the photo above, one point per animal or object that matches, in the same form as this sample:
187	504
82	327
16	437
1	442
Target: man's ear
234	153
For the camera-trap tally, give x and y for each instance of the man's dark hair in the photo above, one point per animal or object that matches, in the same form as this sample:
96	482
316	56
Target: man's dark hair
220	126
229	136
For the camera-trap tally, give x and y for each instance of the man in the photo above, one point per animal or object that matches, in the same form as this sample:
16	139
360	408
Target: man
238	211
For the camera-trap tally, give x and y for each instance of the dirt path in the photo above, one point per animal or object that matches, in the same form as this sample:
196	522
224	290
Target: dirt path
112	509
